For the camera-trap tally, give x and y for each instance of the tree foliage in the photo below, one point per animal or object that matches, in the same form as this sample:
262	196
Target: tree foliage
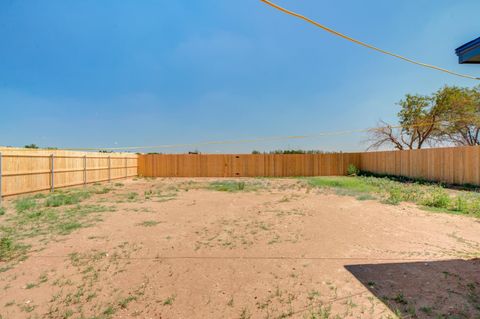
460	115
450	116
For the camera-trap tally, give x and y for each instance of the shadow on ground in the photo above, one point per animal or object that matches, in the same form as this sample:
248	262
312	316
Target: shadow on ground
436	289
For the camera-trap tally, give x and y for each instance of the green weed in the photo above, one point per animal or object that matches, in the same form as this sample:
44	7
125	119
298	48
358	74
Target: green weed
169	301
355	184
233	186
109	311
433	197
365	197
132	196
30	285
67	228
9	249
437	198
45	216
321	312
400	298
24	204
149	223
245	314
394	196
352	170
124	302
103	190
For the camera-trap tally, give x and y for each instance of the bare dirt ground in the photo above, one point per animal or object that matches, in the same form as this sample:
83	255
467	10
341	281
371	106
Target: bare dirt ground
282	249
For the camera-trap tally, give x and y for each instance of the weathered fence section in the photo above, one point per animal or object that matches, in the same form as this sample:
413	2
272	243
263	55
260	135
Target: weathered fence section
245	165
453	165
25	171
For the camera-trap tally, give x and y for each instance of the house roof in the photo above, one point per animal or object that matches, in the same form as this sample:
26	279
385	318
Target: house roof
469	52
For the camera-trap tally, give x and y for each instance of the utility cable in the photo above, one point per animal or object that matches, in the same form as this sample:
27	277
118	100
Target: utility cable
244	141
261	139
346	37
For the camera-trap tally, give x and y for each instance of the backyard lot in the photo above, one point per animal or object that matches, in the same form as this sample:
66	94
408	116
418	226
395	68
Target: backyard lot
342	247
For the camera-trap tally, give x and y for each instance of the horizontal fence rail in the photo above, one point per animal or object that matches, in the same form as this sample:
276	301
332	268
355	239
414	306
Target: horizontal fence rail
25	171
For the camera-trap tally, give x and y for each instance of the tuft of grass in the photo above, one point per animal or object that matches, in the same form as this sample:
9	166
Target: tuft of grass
149	223
9	249
437	198
245	314
400	298
102	190
354	184
24	204
6	248
394	196
30	285
169	301
132	196
124	302
67	228
460	204
233	186
365	197
2	211
67	198
27	308
320	312
109	311
43	278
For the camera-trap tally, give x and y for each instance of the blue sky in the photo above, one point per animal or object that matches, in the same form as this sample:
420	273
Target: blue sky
120	73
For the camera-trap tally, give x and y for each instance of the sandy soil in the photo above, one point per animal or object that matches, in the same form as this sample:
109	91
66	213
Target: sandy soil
285	250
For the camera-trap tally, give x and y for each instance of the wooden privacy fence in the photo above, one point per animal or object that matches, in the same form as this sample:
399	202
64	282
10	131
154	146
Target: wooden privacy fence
453	165
25	171
245	165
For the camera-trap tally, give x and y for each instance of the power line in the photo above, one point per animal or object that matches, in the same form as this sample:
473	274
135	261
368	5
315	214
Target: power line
246	141
223	142
261	139
334	32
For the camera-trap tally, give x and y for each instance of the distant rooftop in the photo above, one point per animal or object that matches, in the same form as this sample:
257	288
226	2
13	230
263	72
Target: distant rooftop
469	52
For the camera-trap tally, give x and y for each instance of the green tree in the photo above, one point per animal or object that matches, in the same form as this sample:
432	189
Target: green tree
34	146
418	122
460	115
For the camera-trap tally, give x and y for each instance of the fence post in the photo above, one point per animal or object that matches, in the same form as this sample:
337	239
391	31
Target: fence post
52	173
0	179
126	168
84	170
109	170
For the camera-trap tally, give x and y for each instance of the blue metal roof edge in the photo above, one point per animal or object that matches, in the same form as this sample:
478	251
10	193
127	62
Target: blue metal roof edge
468	46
